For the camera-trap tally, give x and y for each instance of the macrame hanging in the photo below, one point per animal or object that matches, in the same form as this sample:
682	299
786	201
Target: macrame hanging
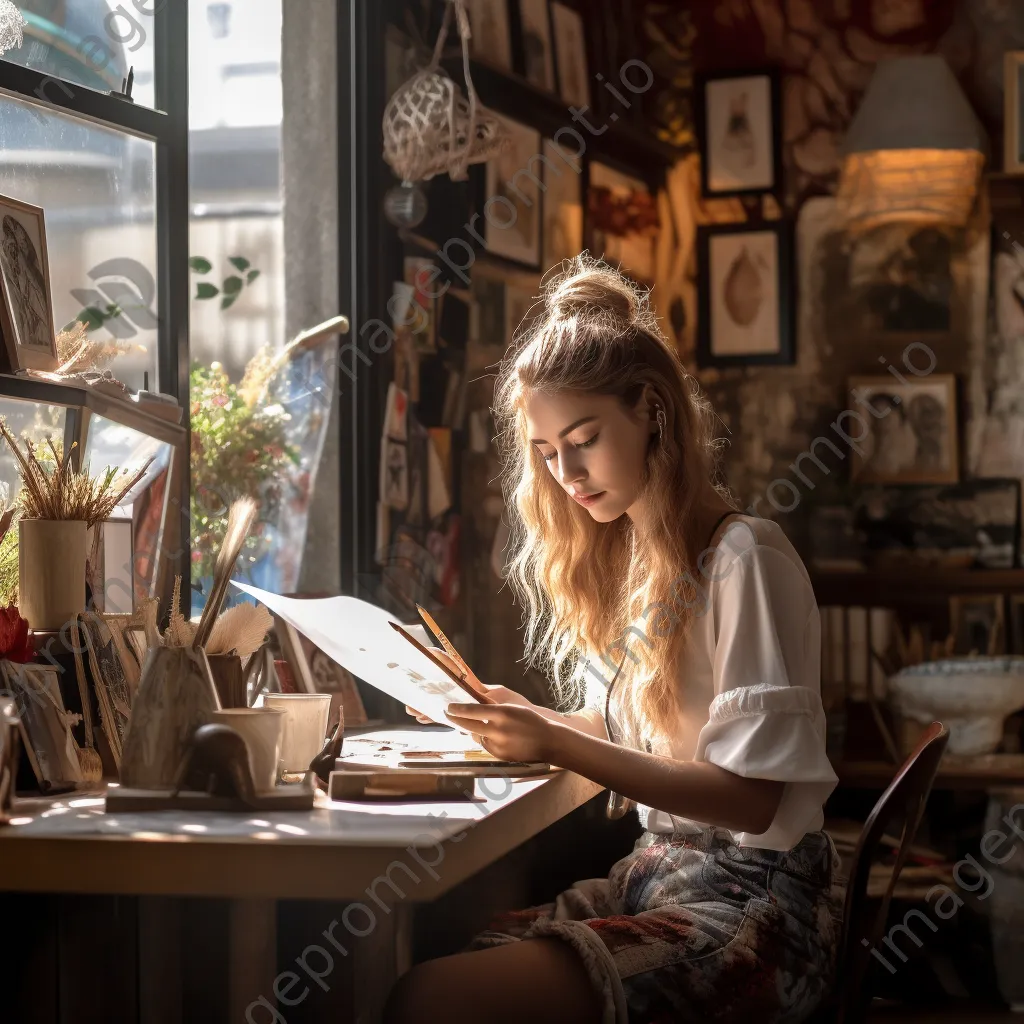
11	25
430	127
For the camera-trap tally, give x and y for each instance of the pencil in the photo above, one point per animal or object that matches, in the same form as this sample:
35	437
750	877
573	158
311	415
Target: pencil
463	684
449	647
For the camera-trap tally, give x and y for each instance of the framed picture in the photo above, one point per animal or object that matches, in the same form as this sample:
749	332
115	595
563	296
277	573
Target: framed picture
624	221
45	723
109	567
973	524
977	623
26	305
563	208
738	122
1017	622
1013	112
538	61
913	430
571	55
491	41
512	209
745	294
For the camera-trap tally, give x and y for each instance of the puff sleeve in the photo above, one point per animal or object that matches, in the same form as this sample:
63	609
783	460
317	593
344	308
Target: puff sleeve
766	720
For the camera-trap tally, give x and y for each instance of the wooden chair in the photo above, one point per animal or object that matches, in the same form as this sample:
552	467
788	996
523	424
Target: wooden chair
863	919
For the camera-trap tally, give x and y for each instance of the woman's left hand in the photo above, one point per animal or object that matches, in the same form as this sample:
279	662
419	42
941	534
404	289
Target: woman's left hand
507	731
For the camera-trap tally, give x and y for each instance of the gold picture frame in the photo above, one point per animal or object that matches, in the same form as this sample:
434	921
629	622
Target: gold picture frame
1013	112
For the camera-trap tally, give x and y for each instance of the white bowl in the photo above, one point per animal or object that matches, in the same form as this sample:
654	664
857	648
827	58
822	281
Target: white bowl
971	696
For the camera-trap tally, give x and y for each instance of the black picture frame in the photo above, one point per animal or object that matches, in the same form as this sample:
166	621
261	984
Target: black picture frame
707	279
703	123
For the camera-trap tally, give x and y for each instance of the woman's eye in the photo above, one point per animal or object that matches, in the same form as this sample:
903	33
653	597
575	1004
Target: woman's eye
548	458
586	444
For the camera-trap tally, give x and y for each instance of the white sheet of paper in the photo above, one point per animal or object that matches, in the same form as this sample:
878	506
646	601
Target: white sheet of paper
359	637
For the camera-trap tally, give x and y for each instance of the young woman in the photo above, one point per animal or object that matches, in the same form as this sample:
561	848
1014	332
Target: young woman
628	557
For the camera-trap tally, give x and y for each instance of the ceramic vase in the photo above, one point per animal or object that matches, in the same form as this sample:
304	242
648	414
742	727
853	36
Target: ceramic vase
51	571
176	696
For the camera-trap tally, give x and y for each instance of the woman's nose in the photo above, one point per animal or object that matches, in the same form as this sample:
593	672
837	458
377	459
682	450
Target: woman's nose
570	470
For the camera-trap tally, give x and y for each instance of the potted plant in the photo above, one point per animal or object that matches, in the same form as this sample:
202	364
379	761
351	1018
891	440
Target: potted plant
57	506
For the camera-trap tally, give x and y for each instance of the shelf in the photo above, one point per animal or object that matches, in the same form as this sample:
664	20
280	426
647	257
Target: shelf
129	414
891	587
513	96
980	772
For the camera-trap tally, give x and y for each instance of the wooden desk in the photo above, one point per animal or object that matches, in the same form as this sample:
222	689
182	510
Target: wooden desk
381	859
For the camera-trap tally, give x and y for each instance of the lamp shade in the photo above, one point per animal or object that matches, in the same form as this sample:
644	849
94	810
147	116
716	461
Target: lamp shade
914	103
915	149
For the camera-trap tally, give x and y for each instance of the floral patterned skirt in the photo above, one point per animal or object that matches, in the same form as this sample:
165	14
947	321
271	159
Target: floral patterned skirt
692	928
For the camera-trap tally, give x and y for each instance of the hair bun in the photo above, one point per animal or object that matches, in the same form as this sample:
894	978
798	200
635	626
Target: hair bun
589	286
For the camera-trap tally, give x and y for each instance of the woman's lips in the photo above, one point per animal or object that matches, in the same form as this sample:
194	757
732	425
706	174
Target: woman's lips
588	499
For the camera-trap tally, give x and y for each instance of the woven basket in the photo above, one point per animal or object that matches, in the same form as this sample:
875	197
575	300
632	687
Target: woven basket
430	127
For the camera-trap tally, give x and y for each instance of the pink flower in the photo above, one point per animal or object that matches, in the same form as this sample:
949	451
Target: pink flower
15	644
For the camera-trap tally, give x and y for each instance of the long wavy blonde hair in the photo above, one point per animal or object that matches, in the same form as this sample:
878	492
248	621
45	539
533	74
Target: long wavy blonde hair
584	585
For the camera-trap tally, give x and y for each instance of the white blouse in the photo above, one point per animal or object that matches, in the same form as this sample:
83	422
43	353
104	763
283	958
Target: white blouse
750	682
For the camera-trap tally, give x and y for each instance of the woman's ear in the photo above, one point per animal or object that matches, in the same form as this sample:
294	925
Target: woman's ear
647	406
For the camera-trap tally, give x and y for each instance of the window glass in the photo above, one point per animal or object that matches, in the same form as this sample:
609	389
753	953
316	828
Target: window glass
90	42
96	188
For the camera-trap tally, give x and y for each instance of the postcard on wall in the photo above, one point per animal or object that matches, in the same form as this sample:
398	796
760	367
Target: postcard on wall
491	39
563	208
536	30
512	207
359	637
571	52
422	274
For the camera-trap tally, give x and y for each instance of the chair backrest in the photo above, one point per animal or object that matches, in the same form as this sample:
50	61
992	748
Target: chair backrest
864	921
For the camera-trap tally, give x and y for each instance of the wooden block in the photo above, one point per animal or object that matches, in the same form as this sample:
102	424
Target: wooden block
400	785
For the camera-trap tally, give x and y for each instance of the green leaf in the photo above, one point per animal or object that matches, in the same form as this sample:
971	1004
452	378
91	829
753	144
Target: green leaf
240	263
200	265
251	276
232	285
206	291
92	318
228	301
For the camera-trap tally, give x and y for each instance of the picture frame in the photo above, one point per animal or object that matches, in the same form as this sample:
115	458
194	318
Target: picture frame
623	221
1016	629
738	122
563	208
512	208
570	41
535	34
745	295
1013	112
914	430
978	623
26	302
110	563
110	681
491	40
44	723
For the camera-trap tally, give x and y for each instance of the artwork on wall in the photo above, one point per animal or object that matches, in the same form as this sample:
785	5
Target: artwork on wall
1013	112
972	524
624	221
978	624
913	430
491	41
745	294
563	208
539	66
739	133
571	54
518	303
26	306
512	208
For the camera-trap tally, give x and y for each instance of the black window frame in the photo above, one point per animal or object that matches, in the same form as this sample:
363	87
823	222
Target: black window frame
166	125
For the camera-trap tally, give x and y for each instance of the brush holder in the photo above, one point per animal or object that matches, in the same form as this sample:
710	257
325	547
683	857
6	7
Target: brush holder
51	571
176	696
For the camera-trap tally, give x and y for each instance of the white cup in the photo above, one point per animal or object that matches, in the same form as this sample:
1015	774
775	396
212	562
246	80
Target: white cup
261	728
305	726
